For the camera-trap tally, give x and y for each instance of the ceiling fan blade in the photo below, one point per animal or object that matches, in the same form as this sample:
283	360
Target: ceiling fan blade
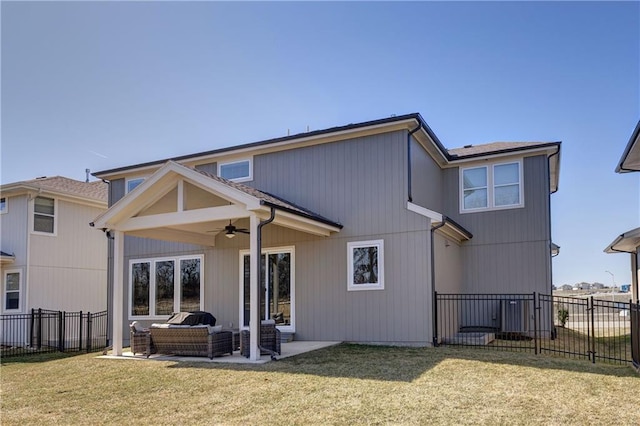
244	231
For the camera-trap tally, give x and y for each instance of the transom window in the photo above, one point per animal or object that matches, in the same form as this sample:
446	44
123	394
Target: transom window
44	215
365	265
3	205
495	186
160	287
12	285
236	171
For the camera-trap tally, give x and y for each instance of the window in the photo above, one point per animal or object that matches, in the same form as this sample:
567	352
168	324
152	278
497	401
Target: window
237	171
12	284
277	280
3	205
159	287
365	265
133	183
491	187
44	214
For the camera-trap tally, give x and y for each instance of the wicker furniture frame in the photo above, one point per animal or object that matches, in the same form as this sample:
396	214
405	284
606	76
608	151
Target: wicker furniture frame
269	340
191	341
141	343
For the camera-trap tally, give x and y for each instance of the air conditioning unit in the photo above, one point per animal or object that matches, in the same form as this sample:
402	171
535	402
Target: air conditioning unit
514	316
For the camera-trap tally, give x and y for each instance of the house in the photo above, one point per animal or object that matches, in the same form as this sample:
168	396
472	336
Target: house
629	242
357	225
50	259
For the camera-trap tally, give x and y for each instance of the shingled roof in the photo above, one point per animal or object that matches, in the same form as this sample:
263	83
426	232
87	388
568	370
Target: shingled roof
495	148
96	190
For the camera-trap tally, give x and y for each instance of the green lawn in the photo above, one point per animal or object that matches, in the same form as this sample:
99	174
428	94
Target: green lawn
346	384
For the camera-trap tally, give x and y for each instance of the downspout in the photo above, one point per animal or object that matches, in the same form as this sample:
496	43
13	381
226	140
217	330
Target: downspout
259	274
418	127
434	302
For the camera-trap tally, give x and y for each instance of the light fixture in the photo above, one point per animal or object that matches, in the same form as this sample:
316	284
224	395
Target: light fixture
229	234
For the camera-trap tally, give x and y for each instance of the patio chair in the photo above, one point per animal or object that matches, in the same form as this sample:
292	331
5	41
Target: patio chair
140	339
269	340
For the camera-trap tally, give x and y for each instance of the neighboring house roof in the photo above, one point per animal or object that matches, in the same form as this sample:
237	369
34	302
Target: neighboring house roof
60	186
630	160
627	242
6	258
414	123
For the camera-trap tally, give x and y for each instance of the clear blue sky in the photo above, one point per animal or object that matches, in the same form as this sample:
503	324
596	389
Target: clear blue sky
103	85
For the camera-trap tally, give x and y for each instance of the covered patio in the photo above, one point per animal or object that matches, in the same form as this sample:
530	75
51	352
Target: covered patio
183	204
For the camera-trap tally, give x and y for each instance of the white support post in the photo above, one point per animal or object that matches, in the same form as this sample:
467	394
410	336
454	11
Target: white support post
118	291
254	285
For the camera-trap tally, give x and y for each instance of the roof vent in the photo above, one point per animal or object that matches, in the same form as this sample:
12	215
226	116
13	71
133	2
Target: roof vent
468	146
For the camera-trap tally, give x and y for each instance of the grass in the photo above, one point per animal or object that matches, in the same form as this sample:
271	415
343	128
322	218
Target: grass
346	384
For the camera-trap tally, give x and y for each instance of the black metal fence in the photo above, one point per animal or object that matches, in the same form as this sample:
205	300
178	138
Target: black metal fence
584	328
44	330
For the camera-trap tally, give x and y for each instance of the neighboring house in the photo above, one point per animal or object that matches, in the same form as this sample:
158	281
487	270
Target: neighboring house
358	226
50	258
629	242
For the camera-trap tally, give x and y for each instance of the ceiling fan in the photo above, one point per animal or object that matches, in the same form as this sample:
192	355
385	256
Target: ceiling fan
230	230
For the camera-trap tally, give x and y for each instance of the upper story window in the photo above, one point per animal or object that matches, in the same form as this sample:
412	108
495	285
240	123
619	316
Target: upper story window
3	205
491	187
44	215
132	183
236	171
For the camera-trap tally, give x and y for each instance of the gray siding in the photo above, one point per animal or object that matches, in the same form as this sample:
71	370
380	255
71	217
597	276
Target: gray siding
510	249
426	183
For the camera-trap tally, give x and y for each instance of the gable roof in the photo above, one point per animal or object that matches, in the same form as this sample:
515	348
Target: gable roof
96	191
194	225
413	123
630	160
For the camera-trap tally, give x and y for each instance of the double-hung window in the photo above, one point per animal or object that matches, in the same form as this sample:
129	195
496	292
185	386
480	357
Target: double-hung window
44	215
3	205
491	187
159	287
12	288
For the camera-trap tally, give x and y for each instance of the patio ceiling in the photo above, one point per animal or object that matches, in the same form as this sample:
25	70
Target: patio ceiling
183	204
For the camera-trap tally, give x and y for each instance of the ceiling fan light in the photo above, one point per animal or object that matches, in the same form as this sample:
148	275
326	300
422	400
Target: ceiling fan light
229	234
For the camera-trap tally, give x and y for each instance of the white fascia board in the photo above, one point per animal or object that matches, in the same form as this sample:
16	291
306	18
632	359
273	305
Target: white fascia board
303	224
433	215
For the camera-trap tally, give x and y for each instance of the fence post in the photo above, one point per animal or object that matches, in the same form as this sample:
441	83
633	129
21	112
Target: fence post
89	333
32	326
61	318
535	324
591	330
80	332
39	328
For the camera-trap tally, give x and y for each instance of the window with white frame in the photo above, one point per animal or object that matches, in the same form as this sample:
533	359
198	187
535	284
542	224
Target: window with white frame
3	205
159	287
365	265
236	171
44	215
11	289
490	187
133	183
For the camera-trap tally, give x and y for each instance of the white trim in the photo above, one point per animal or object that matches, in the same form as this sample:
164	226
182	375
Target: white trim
4	210
490	187
20	290
152	261
430	214
54	215
292	280
247	178
351	286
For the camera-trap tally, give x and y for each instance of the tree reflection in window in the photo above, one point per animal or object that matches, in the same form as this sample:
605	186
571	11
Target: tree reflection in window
164	287
189	285
140	284
365	265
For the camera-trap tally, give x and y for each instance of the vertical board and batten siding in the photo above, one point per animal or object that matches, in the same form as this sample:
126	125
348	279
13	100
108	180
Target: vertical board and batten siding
510	249
14	230
426	179
360	183
448	260
73	262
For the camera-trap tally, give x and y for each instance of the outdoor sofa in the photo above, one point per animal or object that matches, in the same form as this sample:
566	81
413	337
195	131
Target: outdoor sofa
189	340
